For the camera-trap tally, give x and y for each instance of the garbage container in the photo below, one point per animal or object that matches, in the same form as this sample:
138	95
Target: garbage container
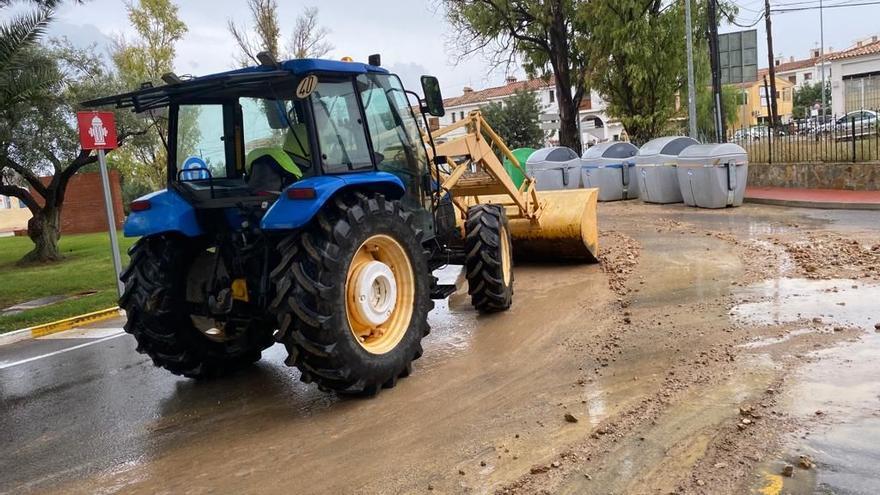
655	167
554	168
713	175
522	155
610	167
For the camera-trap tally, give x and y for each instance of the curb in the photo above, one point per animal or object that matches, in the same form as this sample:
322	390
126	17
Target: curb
822	205
59	326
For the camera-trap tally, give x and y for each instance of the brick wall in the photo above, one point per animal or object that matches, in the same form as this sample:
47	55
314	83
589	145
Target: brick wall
83	210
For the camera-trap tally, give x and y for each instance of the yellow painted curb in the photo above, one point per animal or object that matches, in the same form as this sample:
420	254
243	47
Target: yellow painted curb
68	323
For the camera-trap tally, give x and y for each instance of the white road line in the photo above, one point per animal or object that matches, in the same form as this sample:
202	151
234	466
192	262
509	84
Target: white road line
5	365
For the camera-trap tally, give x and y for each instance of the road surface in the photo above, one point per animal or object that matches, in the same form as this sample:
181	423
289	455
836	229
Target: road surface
694	359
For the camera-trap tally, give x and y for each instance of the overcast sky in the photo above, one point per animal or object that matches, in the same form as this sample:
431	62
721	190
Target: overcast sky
411	34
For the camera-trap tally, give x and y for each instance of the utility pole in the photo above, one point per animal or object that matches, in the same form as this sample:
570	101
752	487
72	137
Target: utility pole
774	112
715	62
822	60
692	98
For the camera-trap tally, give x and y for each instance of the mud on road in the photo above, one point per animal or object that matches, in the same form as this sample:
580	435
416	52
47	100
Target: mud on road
705	354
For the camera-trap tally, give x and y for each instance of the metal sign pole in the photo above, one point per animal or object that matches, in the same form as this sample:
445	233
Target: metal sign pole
692	99
111	221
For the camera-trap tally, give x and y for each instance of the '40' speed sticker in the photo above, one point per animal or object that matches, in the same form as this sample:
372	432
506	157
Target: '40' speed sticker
306	86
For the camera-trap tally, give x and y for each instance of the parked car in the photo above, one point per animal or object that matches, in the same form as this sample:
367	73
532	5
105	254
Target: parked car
861	120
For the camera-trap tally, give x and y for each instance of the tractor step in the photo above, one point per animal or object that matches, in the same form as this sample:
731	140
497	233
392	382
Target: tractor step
442	291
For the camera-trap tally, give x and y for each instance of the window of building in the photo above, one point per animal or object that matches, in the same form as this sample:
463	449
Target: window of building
552	96
861	92
808	76
453	117
461	115
792	79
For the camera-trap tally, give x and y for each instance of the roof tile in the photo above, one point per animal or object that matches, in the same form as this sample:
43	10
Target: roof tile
508	89
858	51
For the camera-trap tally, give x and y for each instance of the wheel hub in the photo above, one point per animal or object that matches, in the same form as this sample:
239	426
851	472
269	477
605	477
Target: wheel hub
379	294
375	293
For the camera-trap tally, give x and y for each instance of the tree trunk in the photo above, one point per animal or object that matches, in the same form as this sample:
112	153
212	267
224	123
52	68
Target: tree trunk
44	231
568	111
568	115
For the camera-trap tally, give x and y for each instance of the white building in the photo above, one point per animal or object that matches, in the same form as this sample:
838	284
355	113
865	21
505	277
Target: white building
804	71
13	215
855	81
595	124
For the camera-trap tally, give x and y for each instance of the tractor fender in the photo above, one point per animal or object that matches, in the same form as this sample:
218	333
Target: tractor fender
288	213
168	212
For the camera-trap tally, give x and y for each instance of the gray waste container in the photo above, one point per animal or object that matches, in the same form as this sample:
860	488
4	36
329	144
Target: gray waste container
555	168
713	175
655	168
610	167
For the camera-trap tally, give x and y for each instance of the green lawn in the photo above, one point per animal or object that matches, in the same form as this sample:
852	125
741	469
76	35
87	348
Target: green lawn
86	267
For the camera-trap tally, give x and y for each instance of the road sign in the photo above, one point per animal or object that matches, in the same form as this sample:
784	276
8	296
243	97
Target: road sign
738	54
549	121
97	130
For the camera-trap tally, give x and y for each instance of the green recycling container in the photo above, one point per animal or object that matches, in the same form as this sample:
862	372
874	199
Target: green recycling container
521	154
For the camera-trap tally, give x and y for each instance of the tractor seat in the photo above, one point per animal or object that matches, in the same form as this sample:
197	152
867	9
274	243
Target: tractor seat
271	169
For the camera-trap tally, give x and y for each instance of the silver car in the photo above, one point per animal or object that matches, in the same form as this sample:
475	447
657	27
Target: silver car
862	120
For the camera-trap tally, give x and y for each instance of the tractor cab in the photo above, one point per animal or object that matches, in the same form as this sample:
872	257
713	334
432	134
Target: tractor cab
246	136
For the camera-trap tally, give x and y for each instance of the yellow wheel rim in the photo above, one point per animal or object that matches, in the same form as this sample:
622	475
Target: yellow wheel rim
506	260
379	294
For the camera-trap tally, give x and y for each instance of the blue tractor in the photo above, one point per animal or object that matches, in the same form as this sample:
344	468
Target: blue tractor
301	207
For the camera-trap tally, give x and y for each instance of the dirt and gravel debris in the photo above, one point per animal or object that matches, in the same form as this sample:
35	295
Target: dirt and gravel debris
826	255
618	257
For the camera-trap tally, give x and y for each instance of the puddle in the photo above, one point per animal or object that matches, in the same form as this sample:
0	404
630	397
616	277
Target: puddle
43	301
786	300
766	342
837	395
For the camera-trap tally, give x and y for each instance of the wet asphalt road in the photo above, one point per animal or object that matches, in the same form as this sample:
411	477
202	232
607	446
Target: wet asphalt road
80	404
75	406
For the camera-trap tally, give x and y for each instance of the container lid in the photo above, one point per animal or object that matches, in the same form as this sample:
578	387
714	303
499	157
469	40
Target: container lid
552	154
610	150
712	154
669	146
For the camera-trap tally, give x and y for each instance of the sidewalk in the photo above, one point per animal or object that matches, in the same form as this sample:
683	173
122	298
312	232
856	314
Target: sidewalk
814	198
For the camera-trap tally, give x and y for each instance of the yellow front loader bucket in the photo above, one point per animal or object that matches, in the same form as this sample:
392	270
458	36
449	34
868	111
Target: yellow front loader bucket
545	225
565	228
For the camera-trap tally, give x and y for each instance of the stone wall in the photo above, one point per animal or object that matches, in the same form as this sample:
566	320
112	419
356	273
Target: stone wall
842	175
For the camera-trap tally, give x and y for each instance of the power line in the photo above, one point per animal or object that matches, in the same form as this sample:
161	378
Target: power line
798	9
815	3
734	21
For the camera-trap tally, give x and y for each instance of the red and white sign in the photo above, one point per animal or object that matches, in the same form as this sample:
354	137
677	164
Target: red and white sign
97	130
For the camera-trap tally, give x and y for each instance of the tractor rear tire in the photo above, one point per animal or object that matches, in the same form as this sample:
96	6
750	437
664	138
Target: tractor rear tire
155	300
488	258
318	286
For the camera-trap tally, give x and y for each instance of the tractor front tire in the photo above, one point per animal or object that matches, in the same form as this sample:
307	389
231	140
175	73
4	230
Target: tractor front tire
155	300
352	295
488	258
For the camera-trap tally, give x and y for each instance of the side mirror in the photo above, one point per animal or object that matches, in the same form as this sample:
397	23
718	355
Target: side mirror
433	98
